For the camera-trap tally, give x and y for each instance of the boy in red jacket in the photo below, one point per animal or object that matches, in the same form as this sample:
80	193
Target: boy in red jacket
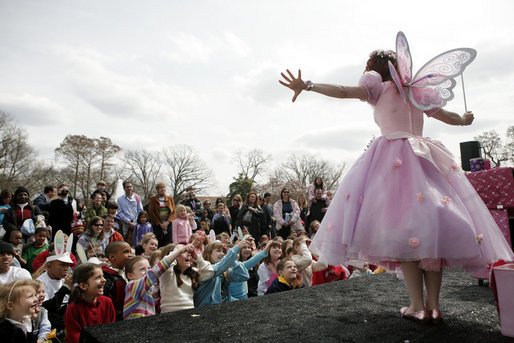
118	253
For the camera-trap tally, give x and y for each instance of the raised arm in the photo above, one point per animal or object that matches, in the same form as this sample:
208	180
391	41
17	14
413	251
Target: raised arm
453	118
297	85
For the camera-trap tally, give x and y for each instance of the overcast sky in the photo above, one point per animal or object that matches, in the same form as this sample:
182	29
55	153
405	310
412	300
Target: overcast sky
158	73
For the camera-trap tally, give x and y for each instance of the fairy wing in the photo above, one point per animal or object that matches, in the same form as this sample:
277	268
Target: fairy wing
433	84
403	58
397	80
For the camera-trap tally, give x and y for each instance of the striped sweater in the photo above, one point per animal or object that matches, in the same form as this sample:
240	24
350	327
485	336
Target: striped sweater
138	296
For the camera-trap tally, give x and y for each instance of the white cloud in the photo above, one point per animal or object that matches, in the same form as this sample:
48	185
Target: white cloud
31	110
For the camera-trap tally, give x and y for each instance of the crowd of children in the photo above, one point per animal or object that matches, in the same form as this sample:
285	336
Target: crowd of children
102	276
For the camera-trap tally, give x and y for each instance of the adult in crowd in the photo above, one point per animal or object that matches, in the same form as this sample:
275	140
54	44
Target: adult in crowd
319	206
194	204
161	210
101	186
110	234
207	207
286	213
43	200
10	273
317	183
61	211
96	209
234	209
129	206
20	211
94	233
304	208
268	211
252	216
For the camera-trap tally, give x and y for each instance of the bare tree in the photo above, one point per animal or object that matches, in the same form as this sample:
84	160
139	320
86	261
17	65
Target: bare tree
185	169
79	154
107	151
253	163
493	147
145	170
301	170
17	157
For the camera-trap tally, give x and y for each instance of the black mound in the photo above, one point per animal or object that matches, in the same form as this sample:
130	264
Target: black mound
364	309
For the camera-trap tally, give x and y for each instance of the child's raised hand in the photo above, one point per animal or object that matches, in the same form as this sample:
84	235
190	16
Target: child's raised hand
297	85
190	248
268	246
247	242
68	281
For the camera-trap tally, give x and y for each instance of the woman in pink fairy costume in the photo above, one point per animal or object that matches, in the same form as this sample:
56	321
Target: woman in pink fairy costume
405	202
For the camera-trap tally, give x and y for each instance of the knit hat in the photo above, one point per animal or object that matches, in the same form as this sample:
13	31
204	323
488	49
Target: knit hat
6	247
21	190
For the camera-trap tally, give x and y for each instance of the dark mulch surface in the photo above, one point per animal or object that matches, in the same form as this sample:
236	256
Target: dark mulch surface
364	309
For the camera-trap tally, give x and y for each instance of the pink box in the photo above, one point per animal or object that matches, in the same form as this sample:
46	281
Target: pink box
495	186
504	281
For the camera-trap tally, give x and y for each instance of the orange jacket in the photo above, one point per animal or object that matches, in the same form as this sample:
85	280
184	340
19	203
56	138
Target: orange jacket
153	209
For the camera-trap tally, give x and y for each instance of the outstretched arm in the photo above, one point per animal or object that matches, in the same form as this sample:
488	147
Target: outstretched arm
297	85
453	118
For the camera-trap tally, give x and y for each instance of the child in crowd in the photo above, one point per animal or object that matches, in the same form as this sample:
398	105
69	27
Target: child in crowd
216	289
93	250
149	244
17	300
41	258
183	226
142	227
88	305
223	238
268	269
287	248
205	222
139	301
313	228
16	238
57	268
112	209
221	220
179	282
304	261
288	277
94	232
118	254
199	240
317	183
241	289
39	324
31	250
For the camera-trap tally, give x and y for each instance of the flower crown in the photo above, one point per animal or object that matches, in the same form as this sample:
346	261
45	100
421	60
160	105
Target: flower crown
383	54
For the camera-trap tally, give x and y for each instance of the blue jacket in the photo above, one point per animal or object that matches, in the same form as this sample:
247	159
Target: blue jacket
210	291
238	288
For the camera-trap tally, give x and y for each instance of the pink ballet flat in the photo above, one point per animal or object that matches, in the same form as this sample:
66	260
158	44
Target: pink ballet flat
420	316
435	316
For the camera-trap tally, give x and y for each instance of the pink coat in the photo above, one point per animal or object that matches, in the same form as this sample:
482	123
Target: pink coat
182	230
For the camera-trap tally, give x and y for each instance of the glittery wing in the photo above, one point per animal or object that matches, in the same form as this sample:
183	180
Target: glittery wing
397	80
433	83
403	58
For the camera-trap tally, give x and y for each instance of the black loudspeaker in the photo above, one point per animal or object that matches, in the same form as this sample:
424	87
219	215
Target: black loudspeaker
469	150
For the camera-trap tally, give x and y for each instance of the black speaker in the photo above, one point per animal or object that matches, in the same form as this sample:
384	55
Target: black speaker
469	150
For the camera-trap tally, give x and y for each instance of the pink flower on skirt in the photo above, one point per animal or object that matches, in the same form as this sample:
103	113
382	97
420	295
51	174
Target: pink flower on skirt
397	162
420	197
361	200
446	200
480	237
455	167
347	196
330	226
413	242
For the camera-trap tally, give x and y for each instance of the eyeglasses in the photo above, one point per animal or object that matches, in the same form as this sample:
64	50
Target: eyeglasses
286	192
97	224
236	200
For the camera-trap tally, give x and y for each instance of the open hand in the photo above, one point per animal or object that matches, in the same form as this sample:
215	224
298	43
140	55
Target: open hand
297	85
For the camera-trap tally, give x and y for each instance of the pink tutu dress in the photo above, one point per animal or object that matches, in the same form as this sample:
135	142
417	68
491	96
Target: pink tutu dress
405	199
